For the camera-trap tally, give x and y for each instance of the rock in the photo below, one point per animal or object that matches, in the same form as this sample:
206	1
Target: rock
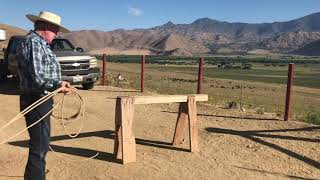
233	105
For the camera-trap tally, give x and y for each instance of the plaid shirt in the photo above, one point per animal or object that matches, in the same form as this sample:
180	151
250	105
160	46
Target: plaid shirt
39	71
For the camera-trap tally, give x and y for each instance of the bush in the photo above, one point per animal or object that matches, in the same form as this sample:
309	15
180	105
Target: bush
233	105
260	111
313	118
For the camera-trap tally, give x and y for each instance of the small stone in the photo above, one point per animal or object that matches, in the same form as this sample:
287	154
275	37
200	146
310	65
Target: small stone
249	146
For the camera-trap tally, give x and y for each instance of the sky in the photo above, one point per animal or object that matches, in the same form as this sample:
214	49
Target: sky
107	15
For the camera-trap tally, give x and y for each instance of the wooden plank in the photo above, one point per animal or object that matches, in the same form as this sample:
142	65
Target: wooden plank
180	125
128	140
168	98
193	129
117	150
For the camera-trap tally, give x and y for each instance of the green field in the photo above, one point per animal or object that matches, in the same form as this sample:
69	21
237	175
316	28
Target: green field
303	76
262	87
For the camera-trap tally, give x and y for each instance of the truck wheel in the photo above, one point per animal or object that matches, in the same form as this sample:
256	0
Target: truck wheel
3	77
87	86
3	70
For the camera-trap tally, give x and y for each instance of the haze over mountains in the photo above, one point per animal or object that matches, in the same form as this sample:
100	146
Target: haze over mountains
206	36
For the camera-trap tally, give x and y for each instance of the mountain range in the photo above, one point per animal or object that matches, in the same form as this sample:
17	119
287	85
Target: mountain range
206	36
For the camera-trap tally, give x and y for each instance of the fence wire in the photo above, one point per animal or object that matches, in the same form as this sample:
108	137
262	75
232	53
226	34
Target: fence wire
259	87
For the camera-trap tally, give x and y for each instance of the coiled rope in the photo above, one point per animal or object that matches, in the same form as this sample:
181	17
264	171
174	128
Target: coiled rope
76	116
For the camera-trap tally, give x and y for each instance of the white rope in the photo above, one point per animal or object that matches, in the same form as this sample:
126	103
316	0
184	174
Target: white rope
76	116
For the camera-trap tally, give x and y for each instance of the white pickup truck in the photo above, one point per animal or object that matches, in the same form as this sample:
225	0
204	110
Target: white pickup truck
76	66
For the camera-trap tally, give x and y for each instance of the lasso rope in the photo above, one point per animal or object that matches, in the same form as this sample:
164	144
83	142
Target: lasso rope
80	113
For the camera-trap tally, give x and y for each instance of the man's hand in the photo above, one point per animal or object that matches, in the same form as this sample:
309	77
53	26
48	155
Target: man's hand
66	87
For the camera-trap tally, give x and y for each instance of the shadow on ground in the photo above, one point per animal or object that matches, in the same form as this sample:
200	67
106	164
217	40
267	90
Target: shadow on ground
104	156
231	117
254	136
273	173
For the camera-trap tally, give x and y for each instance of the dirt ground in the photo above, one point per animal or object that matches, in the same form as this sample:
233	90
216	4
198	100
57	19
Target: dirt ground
233	144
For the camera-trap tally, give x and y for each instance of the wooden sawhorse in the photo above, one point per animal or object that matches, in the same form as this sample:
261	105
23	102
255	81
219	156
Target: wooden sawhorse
124	140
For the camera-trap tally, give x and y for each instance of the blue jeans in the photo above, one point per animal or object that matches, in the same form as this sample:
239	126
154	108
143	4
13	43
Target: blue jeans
39	136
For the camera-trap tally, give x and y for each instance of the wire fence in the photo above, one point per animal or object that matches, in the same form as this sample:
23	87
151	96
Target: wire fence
259	87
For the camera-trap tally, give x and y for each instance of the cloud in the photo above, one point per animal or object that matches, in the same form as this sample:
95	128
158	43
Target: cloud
135	11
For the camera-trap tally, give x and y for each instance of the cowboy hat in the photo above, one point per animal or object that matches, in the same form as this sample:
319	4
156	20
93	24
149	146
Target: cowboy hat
48	17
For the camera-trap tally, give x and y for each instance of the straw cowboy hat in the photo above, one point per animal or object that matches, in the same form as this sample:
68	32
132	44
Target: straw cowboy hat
48	17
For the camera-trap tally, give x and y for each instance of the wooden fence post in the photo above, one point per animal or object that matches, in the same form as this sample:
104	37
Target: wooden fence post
288	95
142	73
200	75
103	79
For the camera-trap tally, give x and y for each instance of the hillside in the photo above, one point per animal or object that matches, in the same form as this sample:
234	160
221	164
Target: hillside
311	49
308	23
203	36
10	31
288	41
206	36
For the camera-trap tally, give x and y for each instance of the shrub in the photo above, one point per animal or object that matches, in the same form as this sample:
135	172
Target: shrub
233	105
260	111
312	117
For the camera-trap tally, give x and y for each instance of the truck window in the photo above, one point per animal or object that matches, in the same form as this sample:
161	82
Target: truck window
13	43
61	45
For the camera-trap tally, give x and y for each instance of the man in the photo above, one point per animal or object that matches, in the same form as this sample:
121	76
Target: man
39	73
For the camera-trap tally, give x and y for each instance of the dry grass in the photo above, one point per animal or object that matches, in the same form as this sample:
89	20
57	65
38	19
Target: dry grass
251	95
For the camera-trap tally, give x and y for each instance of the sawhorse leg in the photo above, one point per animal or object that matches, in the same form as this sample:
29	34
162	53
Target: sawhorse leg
189	108
124	141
